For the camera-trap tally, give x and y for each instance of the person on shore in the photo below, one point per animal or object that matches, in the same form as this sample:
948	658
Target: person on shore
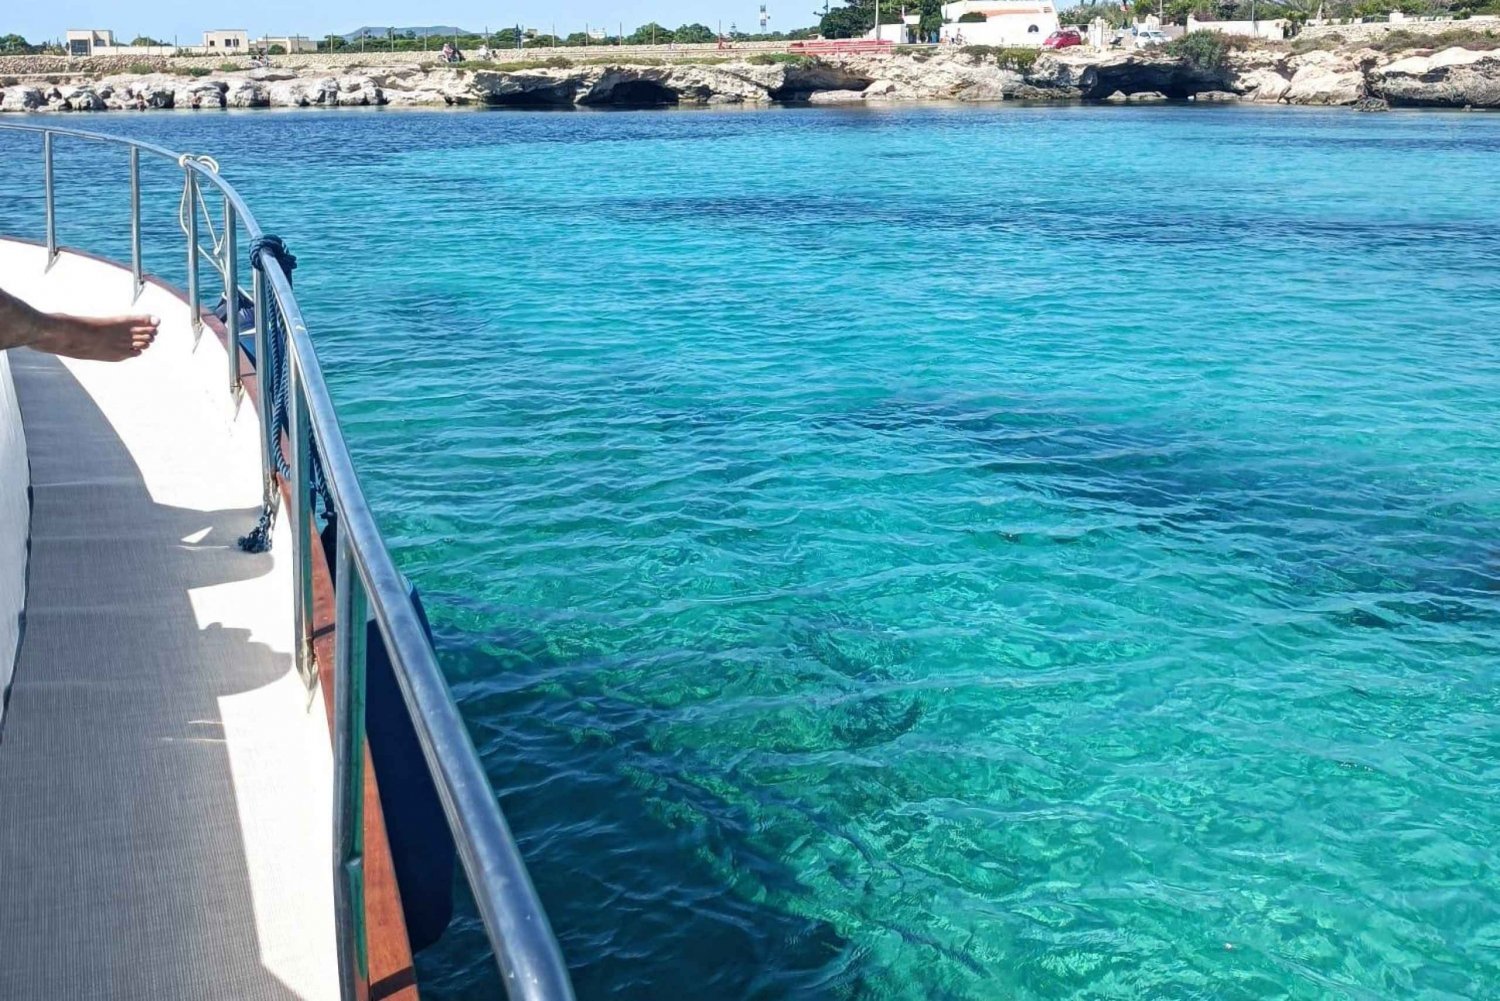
90	338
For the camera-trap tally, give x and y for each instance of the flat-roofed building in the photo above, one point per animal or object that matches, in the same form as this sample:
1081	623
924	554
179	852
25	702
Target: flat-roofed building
84	41
235	41
290	44
1010	23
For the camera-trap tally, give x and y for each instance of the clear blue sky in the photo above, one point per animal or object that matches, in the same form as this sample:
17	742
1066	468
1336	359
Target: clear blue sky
166	18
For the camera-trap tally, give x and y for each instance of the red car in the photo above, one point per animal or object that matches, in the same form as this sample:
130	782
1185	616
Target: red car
1063	38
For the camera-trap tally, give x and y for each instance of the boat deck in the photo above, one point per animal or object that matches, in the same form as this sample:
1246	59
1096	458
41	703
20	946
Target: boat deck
165	776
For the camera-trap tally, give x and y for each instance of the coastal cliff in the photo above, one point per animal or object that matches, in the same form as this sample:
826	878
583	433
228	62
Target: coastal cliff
1454	76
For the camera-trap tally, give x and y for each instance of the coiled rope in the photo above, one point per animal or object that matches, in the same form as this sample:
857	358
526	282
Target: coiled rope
274	372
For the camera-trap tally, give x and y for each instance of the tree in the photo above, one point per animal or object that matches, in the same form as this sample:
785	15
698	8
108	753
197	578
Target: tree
694	34
649	34
853	20
16	45
857	17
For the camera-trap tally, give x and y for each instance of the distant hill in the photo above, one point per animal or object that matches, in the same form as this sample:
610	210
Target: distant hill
430	30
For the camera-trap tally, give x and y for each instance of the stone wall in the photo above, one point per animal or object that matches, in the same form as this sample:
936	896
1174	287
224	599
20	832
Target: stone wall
1372	32
94	65
23	66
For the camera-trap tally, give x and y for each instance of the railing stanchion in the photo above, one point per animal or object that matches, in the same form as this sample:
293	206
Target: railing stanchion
135	224
190	198
51	200
230	267
350	615
300	432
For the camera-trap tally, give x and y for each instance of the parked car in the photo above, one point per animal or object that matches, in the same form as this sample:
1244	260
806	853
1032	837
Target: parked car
1147	38
1063	38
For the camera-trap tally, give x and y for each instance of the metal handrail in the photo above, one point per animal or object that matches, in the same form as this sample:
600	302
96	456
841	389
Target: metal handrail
367	582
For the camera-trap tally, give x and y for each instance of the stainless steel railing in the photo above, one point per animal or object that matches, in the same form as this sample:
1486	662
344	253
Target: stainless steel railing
367	583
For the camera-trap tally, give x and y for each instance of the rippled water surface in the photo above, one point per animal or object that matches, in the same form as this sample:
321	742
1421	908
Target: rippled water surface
1026	553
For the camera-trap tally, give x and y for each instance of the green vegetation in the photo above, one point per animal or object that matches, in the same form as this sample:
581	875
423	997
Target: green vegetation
1020	60
191	71
1296	11
1301	46
507	40
773	58
857	17
230	67
515	66
15	45
1207	51
140	69
1087	13
146	40
1467	38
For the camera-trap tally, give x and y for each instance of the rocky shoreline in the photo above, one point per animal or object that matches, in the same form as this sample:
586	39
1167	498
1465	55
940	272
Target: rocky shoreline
1453	77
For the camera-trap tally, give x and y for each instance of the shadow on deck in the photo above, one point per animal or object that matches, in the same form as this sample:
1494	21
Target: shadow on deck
123	858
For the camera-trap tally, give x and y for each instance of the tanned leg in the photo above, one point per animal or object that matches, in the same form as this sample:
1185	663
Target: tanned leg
113	339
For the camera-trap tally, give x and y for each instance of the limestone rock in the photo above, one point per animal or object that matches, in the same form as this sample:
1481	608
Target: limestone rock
941	77
358	91
323	90
729	84
538	89
1145	97
249	94
22	99
155	95
836	97
1262	84
1216	96
207	94
82	99
287	94
1098	77
423	97
1118	97
1326	78
1451	78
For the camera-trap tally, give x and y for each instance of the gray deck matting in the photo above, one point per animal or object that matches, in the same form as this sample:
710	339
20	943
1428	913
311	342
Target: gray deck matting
122	866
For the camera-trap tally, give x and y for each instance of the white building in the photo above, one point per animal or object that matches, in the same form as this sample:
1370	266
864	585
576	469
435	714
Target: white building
83	41
1274	28
1009	23
233	41
291	44
99	42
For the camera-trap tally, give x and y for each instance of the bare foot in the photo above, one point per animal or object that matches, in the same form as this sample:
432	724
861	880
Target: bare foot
112	339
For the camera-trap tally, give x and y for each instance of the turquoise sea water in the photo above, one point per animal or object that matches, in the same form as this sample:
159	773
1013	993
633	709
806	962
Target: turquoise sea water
987	553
